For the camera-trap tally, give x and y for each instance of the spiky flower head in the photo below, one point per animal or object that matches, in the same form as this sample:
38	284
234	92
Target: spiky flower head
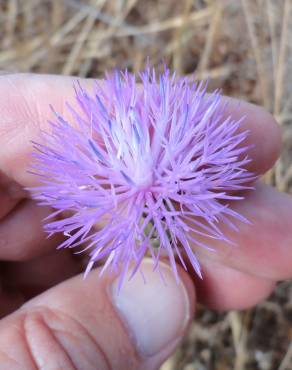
144	167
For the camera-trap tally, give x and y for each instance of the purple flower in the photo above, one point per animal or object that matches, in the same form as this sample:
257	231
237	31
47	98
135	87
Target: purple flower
145	168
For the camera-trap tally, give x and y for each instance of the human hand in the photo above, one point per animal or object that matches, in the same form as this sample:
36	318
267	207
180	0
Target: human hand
85	324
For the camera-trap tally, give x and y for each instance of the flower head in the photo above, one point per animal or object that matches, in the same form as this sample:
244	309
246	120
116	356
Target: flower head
142	168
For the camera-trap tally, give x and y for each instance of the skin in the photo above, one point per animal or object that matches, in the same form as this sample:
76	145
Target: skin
234	277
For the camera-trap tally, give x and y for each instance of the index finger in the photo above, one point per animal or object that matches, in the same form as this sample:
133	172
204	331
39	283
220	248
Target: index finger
25	101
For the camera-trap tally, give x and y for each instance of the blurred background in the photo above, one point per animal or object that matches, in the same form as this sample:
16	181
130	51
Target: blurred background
243	47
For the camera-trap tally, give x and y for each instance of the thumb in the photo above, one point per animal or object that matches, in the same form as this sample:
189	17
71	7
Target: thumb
92	325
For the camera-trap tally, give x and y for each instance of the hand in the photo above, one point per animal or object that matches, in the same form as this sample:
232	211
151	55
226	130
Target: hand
81	324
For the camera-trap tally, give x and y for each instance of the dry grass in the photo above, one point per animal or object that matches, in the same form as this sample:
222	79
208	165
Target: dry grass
244	46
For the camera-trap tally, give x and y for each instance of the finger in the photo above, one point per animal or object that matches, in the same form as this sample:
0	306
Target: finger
265	135
24	103
22	236
225	288
263	248
90	325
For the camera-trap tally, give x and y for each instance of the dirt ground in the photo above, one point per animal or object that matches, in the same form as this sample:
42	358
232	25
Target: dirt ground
243	47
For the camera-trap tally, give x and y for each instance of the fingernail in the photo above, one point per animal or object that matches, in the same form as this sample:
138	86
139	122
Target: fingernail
155	312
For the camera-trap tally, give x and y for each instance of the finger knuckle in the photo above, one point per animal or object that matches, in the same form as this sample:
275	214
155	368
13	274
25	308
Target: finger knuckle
56	340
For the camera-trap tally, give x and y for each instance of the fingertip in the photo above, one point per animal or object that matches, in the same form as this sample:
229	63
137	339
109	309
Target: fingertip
264	139
224	288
